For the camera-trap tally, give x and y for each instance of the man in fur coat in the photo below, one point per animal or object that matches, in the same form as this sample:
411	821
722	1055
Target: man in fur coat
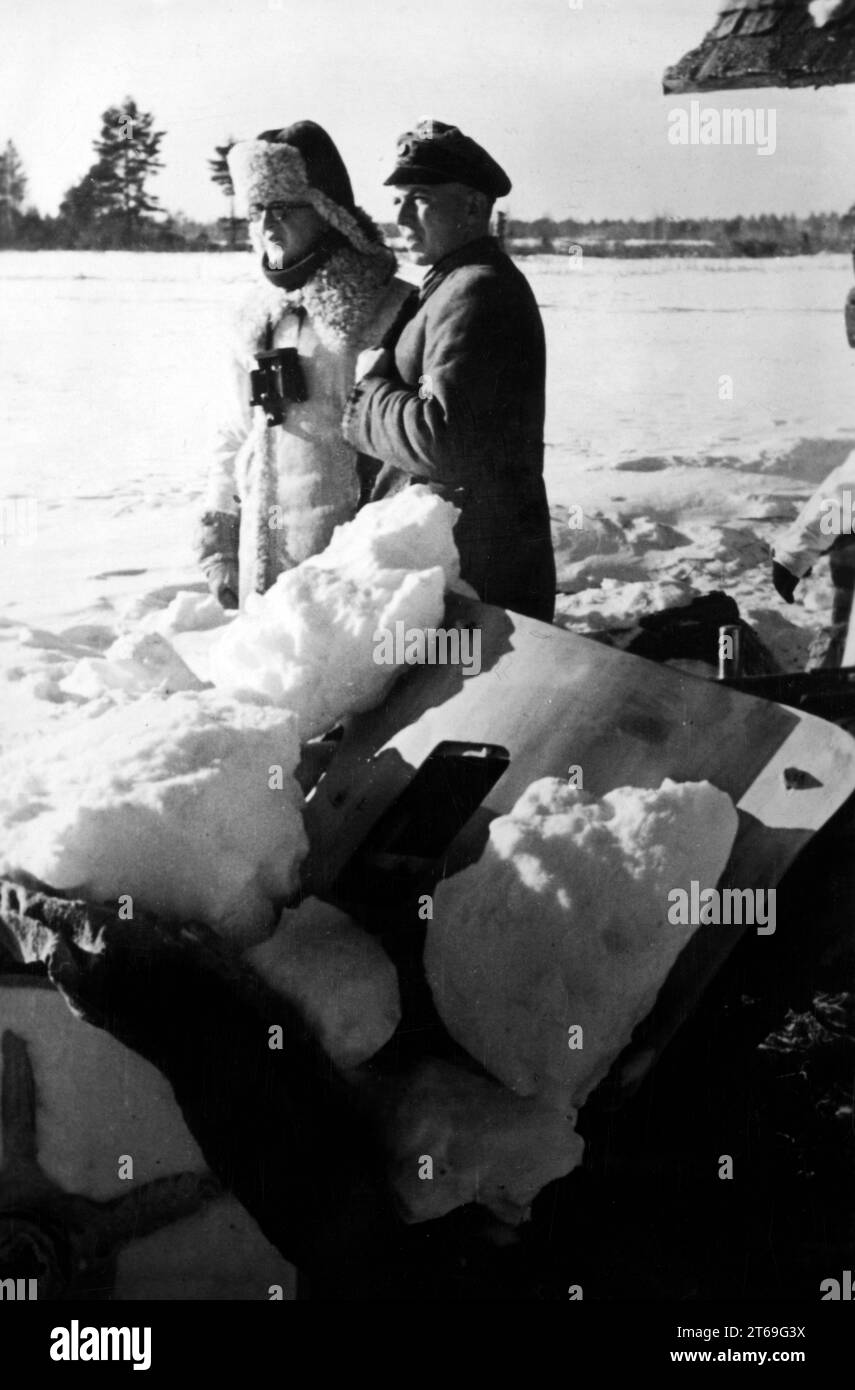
328	289
459	403
823	526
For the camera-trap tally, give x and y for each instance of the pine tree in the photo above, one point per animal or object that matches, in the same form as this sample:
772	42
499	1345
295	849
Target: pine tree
220	175
127	157
108	206
13	186
83	209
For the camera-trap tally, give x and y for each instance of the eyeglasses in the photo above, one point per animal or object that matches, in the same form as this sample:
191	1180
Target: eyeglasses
281	211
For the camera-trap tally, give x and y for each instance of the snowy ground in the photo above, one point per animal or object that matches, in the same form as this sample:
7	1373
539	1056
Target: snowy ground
111	368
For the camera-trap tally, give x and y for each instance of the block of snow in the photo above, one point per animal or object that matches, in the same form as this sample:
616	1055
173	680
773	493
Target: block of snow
645	534
136	662
187	804
308	643
484	1143
563	923
576	535
615	604
410	531
338	976
188	612
168	612
821	11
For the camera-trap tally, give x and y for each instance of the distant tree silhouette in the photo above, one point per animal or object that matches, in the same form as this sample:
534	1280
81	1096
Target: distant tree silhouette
220	175
13	186
110	205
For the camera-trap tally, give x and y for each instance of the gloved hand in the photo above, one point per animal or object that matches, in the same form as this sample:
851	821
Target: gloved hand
784	581
222	577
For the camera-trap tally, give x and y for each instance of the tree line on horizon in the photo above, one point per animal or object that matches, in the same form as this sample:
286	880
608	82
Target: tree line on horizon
769	234
111	208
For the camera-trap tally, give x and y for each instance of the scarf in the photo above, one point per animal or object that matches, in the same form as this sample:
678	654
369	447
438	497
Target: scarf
341	297
294	275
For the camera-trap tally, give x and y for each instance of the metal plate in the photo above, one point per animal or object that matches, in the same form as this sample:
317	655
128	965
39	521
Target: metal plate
553	700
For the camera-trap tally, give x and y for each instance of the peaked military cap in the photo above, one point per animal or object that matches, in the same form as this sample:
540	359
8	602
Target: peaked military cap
438	153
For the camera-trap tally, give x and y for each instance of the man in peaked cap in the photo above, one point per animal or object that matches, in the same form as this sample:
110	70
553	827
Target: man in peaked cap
457	399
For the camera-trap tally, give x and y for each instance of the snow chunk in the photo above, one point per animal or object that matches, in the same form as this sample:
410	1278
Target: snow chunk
188	612
645	533
168	800
563	921
821	11
616	605
575	537
410	531
308	643
487	1145
775	506
137	662
338	976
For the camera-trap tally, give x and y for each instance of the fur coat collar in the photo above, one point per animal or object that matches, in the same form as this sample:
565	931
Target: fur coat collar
341	300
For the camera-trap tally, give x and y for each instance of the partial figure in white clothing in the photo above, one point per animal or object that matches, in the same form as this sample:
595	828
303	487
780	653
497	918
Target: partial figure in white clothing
282	476
825	524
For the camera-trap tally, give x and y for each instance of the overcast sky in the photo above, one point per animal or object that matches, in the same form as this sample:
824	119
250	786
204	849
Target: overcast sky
567	98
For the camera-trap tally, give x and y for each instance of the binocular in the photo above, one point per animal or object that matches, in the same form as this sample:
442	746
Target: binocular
277	383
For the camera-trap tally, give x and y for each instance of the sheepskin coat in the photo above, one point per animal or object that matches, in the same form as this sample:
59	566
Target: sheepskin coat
276	493
823	523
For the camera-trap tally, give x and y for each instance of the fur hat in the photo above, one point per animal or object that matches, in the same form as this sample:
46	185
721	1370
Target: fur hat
299	162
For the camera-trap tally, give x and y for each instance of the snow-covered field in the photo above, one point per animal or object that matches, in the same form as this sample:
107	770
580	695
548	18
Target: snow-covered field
111	366
691	407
